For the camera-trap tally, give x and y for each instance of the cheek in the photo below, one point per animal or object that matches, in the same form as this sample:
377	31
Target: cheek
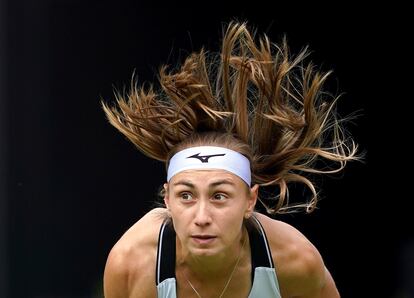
181	220
179	227
231	222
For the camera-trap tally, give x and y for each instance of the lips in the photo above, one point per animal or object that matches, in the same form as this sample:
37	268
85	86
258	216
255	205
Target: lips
203	239
203	236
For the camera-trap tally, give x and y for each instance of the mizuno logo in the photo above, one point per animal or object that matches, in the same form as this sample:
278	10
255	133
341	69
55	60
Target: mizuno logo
204	158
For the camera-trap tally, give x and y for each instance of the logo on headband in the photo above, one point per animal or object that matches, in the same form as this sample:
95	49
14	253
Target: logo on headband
204	158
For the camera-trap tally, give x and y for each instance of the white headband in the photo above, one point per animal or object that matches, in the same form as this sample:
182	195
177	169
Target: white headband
210	157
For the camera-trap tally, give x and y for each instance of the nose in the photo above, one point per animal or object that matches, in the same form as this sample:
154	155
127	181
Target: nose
203	214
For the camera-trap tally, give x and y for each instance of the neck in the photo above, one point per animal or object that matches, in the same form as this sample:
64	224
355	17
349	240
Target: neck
211	267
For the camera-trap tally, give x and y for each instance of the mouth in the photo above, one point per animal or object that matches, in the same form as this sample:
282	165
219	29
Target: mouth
203	239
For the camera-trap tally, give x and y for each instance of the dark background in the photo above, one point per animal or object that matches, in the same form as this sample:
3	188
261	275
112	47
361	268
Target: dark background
71	184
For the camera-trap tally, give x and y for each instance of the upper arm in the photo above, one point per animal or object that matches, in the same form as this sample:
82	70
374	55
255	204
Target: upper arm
130	273
300	269
115	276
329	288
130	267
313	278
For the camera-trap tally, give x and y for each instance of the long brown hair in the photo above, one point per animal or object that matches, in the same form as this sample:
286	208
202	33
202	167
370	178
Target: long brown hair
252	97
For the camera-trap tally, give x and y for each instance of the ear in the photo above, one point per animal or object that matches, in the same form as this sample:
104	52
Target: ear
166	197
254	192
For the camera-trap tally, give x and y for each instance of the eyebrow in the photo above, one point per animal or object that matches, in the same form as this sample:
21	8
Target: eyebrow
213	184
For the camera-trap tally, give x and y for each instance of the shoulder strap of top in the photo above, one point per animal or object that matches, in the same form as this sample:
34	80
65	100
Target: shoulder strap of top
260	249
165	253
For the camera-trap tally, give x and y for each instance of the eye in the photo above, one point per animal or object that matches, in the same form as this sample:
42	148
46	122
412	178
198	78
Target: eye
186	196
219	197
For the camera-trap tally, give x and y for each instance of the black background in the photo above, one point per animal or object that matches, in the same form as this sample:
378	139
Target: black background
71	184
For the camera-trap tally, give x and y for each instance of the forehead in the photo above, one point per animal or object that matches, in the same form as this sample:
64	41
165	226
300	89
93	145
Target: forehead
206	177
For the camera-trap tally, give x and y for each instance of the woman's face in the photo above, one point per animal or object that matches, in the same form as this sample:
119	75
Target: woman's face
207	208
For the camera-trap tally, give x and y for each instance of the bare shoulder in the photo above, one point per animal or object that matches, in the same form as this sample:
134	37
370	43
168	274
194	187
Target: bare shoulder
130	267
299	266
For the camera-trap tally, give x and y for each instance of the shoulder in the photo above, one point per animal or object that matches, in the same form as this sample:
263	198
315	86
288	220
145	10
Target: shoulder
299	266
130	267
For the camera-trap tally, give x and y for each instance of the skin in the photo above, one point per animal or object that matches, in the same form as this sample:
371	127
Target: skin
208	208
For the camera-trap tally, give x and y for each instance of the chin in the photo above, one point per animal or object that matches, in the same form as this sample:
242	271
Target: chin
204	251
